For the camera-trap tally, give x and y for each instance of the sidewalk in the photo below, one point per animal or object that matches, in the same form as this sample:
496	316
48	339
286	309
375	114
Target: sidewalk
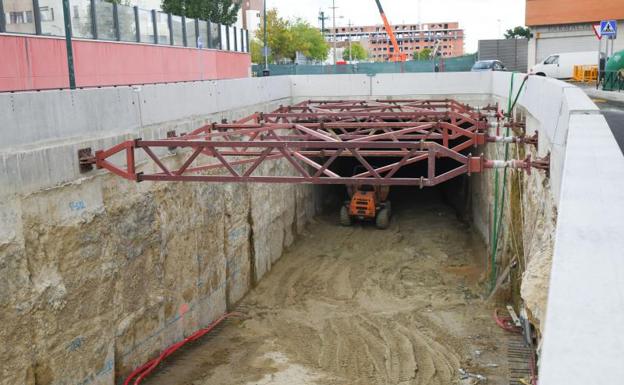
592	92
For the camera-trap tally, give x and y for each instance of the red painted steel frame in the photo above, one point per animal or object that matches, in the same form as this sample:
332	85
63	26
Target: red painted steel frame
312	135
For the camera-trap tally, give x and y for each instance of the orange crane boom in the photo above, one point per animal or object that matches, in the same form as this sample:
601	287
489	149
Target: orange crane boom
395	54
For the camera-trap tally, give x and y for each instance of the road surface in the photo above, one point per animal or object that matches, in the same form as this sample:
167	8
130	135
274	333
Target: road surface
614	113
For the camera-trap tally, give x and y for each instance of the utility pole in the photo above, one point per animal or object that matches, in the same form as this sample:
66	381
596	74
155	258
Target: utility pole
322	18
334	27
350	50
266	71
68	44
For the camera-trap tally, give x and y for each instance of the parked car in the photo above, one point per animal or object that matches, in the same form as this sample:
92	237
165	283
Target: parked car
561	65
488	65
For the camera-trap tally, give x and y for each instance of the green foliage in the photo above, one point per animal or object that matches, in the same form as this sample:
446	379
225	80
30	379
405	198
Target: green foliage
308	40
357	52
255	46
218	11
518	33
423	54
286	38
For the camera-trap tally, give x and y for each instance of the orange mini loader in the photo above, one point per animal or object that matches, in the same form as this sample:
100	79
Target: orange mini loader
368	203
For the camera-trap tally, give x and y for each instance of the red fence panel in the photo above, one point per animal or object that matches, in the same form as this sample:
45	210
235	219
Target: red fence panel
34	63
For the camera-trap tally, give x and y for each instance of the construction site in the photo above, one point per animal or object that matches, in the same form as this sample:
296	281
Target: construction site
396	228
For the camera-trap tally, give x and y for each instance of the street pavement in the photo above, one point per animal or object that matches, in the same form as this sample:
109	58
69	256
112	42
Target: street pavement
614	113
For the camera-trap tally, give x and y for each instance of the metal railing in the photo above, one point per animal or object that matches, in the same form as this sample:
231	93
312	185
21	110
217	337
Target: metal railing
107	21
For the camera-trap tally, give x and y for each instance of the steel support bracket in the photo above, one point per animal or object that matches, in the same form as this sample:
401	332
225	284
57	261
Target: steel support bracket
86	160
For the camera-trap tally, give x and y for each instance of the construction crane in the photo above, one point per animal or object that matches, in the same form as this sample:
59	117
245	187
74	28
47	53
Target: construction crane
394	53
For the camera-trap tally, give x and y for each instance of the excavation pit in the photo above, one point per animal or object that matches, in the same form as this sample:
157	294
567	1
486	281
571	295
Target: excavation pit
358	305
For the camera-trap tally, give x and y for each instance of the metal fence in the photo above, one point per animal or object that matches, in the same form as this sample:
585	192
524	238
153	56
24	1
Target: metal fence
514	53
102	20
457	64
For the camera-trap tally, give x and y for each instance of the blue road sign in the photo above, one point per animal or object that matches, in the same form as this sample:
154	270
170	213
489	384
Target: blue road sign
608	28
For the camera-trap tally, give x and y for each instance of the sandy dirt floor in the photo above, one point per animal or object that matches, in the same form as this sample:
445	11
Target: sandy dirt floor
361	306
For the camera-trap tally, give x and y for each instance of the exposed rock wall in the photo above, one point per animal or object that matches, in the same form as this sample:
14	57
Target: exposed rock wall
99	275
526	233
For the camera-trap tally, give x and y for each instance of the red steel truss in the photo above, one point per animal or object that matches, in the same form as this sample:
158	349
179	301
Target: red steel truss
382	137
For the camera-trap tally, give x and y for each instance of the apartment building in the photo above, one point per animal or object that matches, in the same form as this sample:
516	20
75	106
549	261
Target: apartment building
410	37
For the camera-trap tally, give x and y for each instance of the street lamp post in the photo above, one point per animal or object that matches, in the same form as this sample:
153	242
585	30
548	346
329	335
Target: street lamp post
68	44
350	47
266	71
334	27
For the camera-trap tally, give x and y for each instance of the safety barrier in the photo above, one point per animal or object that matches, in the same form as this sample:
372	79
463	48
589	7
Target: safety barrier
585	73
456	64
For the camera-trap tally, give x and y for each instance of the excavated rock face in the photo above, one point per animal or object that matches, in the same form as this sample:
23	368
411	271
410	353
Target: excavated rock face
98	276
526	235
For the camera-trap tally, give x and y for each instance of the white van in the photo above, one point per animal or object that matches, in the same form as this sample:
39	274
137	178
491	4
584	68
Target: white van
561	65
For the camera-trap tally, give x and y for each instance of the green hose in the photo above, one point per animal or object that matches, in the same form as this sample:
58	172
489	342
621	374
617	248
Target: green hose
498	211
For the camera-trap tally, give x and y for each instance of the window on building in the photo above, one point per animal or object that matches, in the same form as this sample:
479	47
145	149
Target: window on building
47	13
22	17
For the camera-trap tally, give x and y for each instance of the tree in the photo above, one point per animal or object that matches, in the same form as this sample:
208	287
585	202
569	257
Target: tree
278	35
286	38
218	11
255	47
308	40
423	54
357	52
518	33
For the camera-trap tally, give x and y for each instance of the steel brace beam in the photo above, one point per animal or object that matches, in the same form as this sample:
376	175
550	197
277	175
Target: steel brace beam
382	137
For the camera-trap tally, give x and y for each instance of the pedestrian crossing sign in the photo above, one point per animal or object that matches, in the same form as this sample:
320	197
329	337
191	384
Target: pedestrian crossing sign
608	28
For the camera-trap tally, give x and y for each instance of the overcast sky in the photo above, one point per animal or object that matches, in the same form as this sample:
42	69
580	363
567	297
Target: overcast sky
479	18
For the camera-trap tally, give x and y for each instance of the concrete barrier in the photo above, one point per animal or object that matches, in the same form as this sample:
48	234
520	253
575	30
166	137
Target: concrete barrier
46	129
583	338
453	84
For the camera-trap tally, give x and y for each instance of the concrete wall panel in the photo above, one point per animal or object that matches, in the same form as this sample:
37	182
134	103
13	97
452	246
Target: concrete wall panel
29	118
448	83
315	86
584	334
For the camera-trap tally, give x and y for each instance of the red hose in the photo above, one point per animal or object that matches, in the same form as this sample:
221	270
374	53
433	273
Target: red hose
144	370
506	323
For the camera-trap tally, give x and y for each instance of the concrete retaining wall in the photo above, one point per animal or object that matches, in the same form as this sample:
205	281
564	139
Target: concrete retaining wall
46	129
98	274
461	85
